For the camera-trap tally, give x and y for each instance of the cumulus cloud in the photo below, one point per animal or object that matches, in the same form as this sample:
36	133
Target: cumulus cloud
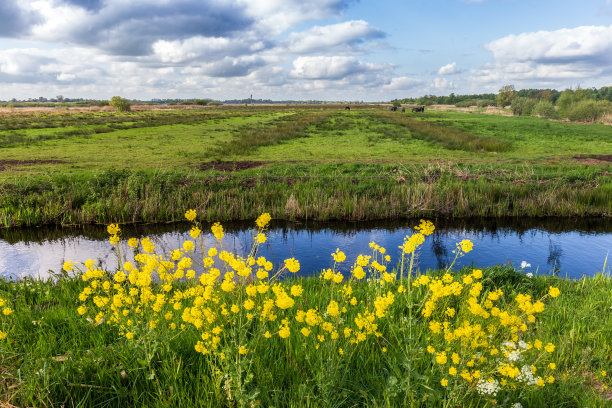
402	83
276	16
227	67
333	38
22	62
130	28
549	57
331	68
441	84
205	48
591	44
15	21
448	69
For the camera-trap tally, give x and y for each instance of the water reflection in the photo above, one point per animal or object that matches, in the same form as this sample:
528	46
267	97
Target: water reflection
571	247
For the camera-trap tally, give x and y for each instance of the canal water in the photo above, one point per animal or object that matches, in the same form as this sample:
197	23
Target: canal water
567	247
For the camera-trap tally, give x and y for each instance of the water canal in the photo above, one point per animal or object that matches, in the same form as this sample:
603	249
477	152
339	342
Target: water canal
571	248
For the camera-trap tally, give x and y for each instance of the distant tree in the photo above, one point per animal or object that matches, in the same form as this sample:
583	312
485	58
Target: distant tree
397	103
505	95
120	104
60	98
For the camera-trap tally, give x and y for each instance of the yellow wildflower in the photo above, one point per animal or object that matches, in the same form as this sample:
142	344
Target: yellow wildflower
190	215
553	292
263	220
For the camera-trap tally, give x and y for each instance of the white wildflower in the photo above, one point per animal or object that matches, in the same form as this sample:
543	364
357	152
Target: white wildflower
488	387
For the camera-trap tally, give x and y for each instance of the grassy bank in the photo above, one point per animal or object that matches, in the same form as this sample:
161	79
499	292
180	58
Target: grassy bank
317	162
322	192
55	357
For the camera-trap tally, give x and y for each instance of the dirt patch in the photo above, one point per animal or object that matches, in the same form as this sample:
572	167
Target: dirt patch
6	164
593	158
231	165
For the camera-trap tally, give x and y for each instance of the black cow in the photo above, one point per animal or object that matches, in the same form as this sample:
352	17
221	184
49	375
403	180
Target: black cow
418	109
347	108
394	108
403	109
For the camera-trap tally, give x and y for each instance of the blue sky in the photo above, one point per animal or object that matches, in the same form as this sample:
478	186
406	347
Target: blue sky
299	49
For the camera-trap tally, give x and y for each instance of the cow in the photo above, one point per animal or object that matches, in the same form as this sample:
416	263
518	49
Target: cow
418	109
403	109
347	108
393	108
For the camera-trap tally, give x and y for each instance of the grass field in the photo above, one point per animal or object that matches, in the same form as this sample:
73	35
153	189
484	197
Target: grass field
317	162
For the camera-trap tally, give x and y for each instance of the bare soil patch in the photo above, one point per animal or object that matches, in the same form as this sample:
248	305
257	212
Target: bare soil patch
6	164
594	158
231	165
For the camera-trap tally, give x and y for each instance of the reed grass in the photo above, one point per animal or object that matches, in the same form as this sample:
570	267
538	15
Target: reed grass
324	192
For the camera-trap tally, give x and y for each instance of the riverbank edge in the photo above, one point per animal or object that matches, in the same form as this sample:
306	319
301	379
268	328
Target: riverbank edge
137	196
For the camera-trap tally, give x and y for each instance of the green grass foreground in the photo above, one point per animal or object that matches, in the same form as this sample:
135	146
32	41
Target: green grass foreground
316	162
54	357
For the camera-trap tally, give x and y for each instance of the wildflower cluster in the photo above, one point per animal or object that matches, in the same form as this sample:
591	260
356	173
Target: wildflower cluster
239	304
478	339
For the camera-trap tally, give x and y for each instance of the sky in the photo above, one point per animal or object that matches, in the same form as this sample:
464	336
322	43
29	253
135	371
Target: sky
344	50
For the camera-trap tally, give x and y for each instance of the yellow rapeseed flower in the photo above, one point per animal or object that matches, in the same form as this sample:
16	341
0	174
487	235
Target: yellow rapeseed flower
553	292
465	245
190	215
292	264
113	229
217	230
425	227
195	232
338	256
263	220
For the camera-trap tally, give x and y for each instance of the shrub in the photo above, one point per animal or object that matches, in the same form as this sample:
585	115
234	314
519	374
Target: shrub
588	110
545	109
522	106
483	103
120	104
467	103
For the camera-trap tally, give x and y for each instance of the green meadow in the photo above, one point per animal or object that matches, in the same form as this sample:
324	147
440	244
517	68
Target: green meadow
320	162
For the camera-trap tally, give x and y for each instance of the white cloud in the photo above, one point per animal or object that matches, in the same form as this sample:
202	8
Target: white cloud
277	16
334	68
442	84
402	83
204	48
448	69
582	44
548	58
332	38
